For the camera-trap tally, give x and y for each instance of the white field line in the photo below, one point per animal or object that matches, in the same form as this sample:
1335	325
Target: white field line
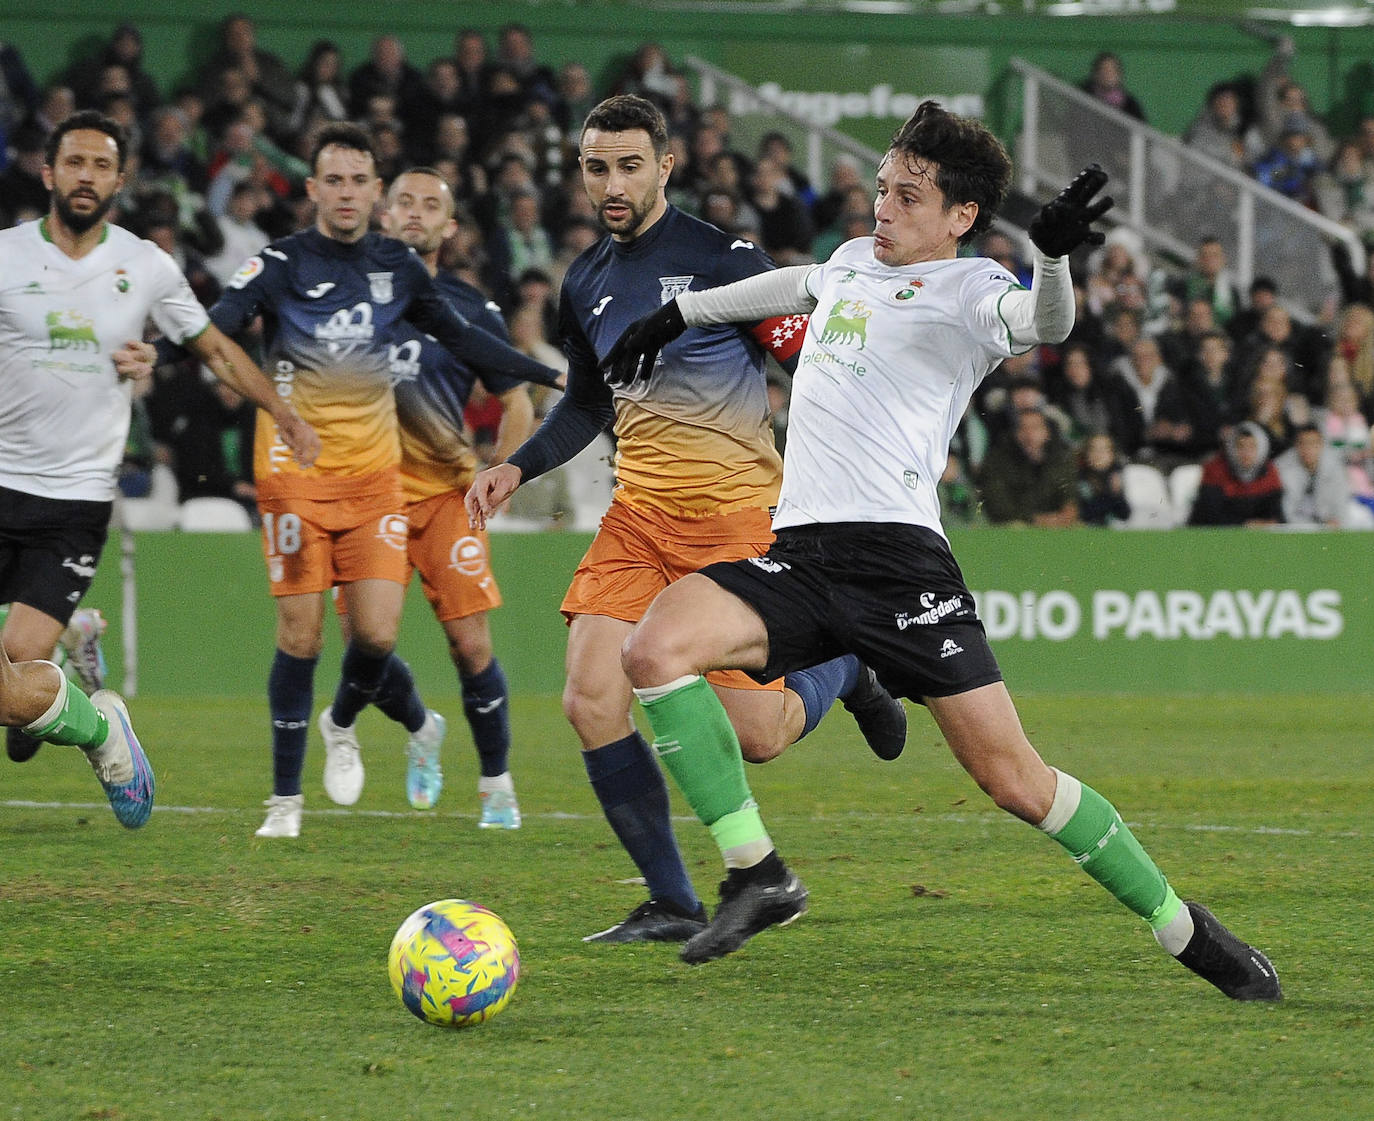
992	817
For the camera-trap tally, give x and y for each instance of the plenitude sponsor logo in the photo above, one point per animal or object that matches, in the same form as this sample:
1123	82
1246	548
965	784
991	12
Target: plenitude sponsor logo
1171	615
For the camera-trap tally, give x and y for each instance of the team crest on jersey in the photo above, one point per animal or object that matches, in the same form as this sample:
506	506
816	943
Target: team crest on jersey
671	287
468	557
247	271
70	330
393	530
909	290
121	282
380	284
847	323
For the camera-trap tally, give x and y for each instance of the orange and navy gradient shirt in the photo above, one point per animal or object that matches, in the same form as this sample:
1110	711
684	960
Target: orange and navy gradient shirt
695	439
331	312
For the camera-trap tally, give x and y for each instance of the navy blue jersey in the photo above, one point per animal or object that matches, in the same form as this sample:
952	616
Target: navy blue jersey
330	310
695	438
432	388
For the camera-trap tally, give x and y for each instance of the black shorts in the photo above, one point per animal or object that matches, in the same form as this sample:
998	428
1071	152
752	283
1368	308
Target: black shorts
891	594
49	549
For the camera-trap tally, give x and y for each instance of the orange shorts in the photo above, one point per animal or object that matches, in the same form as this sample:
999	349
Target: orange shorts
313	544
639	552
453	560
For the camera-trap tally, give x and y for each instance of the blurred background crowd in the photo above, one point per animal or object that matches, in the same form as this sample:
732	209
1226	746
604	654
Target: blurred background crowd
1176	392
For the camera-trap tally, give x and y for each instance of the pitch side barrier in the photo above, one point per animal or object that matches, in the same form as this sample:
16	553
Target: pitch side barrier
1181	611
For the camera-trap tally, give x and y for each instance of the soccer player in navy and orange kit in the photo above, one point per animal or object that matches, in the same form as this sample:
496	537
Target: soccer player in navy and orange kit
696	471
437	467
331	298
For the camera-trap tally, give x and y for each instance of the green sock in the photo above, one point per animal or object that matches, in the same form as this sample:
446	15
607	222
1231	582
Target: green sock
1088	826
71	719
697	744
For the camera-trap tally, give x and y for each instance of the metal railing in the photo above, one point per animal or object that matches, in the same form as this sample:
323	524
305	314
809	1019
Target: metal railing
1171	195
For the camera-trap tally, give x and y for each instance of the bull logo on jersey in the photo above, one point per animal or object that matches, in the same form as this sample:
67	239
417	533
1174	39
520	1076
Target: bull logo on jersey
380	284
468	557
393	530
404	361
347	326
70	330
847	323
671	287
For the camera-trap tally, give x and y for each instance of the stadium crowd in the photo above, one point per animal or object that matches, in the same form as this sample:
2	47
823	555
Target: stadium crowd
1239	404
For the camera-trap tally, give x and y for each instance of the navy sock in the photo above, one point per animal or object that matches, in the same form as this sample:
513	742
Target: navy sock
634	797
397	696
290	696
359	680
818	686
486	705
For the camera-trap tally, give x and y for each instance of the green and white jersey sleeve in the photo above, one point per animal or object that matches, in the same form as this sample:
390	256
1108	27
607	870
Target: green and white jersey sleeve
891	358
64	413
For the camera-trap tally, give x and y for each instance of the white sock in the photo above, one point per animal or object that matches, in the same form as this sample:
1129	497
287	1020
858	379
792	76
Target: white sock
1175	935
491	785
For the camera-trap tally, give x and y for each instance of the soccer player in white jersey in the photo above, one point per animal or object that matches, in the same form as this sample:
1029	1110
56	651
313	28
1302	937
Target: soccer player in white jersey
902	330
76	295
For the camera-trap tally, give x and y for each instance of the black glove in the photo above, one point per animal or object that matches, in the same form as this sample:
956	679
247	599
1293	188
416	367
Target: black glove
1065	222
632	357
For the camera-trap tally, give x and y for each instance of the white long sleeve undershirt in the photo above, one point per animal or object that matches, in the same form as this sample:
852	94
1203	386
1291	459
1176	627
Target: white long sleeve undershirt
1044	313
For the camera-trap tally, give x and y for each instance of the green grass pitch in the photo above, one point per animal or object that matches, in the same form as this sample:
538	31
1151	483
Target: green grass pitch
954	964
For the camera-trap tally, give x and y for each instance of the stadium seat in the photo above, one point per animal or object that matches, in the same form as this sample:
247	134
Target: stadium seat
1183	484
1148	493
159	509
213	515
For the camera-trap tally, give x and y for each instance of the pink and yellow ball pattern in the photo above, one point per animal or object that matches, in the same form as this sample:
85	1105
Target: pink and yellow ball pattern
454	963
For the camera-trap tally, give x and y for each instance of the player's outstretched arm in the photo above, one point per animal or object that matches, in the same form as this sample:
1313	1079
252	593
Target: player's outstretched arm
489	490
231	364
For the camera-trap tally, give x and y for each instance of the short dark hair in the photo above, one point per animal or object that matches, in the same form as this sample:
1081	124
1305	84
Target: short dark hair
972	165
341	135
625	112
87	119
426	170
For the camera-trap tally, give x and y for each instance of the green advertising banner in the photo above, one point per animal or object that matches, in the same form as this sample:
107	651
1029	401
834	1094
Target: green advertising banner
1087	611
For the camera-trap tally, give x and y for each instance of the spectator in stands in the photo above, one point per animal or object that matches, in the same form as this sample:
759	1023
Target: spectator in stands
385	72
470	55
648	74
57	103
167	155
239	230
1356	287
1315	490
1179	344
1239	486
1290	166
1268	405
266	75
853	219
1264	294
1345	190
1355	347
1210	278
442	96
1307	349
520	243
515	53
204	432
1211	386
997	246
845	177
1161	402
1282	106
1118	275
1105	81
784	222
124	50
246	154
320	93
1094	400
776	147
1220	130
576	97
1101	486
21	184
1347	433
1029	476
18	93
